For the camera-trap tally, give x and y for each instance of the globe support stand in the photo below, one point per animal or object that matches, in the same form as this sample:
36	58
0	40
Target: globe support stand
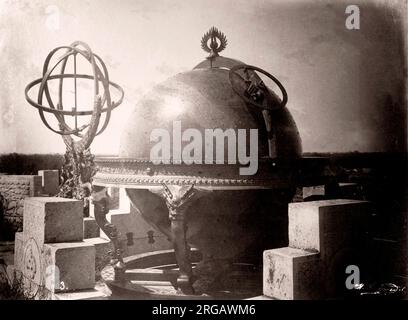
178	199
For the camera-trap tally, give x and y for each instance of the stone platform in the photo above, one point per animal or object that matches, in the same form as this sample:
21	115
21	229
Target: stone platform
52	258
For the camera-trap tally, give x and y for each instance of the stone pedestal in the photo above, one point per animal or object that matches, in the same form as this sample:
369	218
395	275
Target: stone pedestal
51	255
53	220
324	237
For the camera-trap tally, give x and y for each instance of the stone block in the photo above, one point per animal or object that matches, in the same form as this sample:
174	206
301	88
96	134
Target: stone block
50	181
13	189
91	228
53	220
326	226
58	267
324	238
290	273
314	191
103	249
69	266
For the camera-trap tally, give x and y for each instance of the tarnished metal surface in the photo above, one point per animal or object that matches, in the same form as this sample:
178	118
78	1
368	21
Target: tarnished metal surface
235	216
202	99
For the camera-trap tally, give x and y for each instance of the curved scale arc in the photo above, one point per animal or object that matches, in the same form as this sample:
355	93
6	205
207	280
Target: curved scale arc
270	76
54	111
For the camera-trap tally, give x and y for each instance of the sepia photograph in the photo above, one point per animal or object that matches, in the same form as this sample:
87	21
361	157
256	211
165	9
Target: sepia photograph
225	153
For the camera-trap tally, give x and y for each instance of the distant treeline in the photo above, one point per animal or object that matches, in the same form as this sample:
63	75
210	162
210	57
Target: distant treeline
15	163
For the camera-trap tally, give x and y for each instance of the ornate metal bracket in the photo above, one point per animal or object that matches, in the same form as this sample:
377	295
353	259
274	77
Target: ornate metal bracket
178	199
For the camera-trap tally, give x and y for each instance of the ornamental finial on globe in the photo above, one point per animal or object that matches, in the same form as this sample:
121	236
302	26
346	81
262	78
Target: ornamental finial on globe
59	96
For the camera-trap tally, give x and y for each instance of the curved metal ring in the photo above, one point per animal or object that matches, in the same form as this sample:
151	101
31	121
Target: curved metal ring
97	75
243	96
73	49
67	112
103	77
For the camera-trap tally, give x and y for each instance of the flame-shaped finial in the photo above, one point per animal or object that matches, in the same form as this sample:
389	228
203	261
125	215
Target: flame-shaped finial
214	47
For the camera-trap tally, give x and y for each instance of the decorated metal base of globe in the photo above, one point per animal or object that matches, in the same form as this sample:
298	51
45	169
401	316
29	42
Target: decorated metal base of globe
229	217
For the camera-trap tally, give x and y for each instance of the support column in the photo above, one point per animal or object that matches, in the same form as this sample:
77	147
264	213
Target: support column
178	200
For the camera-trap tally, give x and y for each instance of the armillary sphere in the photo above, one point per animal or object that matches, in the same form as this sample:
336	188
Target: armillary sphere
103	102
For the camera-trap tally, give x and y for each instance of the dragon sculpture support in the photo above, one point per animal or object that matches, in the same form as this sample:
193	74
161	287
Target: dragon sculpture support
78	167
178	200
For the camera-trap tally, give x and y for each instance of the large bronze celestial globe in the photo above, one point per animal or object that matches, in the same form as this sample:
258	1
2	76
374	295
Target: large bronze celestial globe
210	205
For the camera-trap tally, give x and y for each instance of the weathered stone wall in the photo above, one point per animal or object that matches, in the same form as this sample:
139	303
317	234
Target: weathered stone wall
13	190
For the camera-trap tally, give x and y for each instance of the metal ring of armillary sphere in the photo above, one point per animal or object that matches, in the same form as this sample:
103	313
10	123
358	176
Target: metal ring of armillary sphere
100	75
